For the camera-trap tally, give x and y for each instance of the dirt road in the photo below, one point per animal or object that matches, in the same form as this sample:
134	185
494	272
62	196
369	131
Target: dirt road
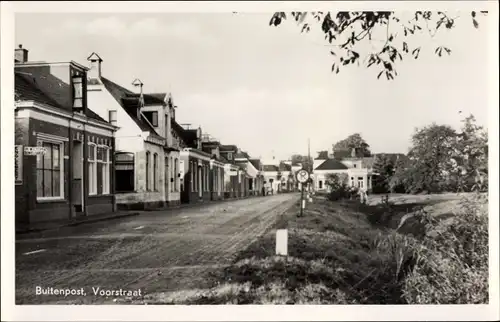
153	252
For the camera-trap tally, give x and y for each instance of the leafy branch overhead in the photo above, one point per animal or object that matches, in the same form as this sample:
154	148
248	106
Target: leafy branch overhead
344	31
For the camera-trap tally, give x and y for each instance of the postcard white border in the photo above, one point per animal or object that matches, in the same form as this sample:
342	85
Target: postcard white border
233	313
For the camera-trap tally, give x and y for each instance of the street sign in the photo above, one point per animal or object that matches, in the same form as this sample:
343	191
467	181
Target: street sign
302	176
18	164
34	150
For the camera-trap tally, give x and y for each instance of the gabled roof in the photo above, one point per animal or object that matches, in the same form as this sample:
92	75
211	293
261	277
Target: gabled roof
331	164
26	88
256	163
228	148
189	137
129	101
241	155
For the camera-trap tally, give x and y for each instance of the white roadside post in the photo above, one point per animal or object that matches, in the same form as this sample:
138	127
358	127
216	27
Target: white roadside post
282	242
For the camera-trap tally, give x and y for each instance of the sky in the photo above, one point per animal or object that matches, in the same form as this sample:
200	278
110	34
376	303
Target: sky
268	89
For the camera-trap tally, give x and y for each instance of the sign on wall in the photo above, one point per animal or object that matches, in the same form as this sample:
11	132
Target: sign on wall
34	150
18	164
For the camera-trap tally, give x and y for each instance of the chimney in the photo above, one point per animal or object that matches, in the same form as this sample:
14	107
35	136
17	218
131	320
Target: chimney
21	55
137	83
95	66
353	152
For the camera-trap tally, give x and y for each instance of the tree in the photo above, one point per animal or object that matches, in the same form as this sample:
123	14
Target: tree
304	160
353	141
385	167
345	31
323	155
471	157
430	160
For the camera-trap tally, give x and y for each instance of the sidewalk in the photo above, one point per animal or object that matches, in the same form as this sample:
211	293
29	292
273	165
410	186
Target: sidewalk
40	228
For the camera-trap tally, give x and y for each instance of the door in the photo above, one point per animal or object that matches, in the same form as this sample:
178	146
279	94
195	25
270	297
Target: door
77	163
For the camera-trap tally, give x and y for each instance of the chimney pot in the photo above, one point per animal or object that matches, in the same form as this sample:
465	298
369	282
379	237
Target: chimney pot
95	66
20	54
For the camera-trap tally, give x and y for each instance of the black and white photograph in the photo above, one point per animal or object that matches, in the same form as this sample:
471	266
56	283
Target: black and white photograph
234	157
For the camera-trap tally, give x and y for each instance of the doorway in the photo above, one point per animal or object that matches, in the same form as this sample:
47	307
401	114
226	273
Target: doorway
77	185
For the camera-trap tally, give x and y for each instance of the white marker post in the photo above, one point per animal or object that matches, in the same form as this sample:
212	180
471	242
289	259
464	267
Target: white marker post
282	242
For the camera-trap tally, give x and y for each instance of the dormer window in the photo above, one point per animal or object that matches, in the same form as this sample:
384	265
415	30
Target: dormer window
230	155
77	91
152	117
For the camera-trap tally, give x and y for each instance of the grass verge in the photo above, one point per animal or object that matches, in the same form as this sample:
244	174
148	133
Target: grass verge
338	254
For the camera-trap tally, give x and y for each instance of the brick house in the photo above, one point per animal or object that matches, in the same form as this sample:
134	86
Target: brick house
64	150
217	166
236	176
201	175
147	157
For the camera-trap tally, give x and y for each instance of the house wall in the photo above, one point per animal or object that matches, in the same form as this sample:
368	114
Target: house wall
128	136
232	184
172	177
146	197
354	173
196	172
34	126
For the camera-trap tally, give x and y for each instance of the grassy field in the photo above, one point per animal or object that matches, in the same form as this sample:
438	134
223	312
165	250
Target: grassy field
425	249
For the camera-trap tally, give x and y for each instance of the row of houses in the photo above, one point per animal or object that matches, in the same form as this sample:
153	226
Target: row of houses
86	145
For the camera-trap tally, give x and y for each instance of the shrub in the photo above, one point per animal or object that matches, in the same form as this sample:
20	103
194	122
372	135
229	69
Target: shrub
452	263
339	189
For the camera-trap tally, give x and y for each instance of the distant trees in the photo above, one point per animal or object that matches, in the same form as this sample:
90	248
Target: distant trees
323	155
353	141
384	166
304	160
440	159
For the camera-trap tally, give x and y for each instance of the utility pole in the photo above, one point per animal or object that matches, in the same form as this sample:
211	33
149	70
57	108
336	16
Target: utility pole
309	163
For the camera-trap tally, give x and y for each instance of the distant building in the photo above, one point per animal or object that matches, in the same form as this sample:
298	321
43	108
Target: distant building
358	171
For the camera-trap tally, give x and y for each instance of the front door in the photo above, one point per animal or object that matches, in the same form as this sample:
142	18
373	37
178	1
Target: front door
77	163
167	179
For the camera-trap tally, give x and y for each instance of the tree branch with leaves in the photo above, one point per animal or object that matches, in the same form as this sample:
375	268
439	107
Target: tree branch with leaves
344	32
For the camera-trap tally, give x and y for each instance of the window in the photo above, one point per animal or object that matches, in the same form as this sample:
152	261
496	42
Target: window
92	163
230	156
113	117
352	181
355	165
77	91
360	182
320	184
50	182
104	168
124	172
152	117
155	172
147	170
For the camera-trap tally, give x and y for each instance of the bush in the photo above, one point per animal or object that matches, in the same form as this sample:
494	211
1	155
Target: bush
452	261
339	189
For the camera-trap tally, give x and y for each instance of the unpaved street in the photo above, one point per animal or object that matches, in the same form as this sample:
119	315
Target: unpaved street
152	252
